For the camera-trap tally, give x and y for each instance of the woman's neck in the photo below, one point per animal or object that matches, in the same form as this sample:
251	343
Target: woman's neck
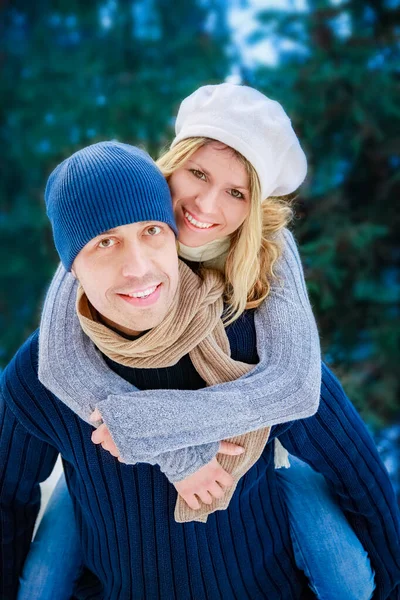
212	255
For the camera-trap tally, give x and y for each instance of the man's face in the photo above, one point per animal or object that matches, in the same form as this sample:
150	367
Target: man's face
130	274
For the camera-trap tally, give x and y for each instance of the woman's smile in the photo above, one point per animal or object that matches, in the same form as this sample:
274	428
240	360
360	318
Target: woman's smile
192	220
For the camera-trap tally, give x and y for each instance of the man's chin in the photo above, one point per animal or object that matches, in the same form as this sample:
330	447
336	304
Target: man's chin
138	325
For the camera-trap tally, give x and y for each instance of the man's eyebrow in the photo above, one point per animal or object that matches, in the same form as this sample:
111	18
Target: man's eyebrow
232	185
115	229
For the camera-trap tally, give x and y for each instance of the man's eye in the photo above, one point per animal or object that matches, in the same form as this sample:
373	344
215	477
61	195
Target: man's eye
154	230
198	174
106	243
236	194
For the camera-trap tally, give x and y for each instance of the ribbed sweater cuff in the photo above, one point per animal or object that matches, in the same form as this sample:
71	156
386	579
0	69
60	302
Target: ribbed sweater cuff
202	455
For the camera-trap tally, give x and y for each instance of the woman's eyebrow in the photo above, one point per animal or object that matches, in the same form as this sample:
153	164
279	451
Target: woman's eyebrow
232	185
198	165
237	187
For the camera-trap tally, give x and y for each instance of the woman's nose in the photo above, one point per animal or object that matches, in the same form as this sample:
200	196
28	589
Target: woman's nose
207	201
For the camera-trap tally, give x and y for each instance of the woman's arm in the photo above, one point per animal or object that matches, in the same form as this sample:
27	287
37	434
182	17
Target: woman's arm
284	386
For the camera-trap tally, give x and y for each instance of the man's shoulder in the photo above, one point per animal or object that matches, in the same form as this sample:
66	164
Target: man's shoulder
20	377
22	392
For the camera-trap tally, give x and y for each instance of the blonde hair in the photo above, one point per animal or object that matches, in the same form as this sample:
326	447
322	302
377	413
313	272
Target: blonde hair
254	249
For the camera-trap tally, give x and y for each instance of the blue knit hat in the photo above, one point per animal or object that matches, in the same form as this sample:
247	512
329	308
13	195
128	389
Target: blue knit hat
100	187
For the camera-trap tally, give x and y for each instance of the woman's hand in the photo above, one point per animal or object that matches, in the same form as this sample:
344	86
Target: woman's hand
208	482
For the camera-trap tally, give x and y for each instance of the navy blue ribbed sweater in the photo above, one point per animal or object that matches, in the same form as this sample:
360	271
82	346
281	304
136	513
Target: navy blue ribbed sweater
131	545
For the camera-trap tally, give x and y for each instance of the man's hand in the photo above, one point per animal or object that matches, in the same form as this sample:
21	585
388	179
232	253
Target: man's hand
209	481
102	436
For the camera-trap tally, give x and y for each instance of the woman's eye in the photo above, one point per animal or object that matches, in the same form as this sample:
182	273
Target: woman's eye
106	243
236	194
198	174
154	230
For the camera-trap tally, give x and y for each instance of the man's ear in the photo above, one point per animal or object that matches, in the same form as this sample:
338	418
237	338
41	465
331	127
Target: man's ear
73	272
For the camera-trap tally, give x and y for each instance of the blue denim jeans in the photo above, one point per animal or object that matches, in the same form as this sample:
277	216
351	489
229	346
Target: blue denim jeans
325	546
54	561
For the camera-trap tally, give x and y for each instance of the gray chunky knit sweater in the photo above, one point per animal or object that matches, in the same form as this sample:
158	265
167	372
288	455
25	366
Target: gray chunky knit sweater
180	430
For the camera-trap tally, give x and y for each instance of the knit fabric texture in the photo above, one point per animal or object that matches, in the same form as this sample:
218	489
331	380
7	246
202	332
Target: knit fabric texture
193	326
177	429
130	544
100	187
184	436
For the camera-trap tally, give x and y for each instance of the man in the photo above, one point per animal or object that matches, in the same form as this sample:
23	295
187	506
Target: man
113	225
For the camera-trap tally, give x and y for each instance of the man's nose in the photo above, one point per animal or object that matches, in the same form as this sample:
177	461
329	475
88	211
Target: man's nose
136	260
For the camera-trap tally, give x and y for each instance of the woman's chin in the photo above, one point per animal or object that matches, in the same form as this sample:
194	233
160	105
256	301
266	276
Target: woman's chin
195	240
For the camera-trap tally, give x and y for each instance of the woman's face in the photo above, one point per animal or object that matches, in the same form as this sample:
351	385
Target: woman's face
210	194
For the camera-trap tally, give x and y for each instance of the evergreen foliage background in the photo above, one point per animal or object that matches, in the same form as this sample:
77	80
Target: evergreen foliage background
73	73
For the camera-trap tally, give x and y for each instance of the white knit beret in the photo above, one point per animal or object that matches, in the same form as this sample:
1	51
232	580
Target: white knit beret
252	124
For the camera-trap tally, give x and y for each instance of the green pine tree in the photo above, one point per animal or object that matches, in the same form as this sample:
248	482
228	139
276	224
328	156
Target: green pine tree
339	82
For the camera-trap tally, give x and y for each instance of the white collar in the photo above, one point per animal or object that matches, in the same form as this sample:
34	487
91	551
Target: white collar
208	252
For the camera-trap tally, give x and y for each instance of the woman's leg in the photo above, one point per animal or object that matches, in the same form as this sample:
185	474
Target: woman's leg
325	546
54	560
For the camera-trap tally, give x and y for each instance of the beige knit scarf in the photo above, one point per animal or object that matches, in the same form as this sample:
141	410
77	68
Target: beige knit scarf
193	326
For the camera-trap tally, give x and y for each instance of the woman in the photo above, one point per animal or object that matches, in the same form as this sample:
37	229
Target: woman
234	148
